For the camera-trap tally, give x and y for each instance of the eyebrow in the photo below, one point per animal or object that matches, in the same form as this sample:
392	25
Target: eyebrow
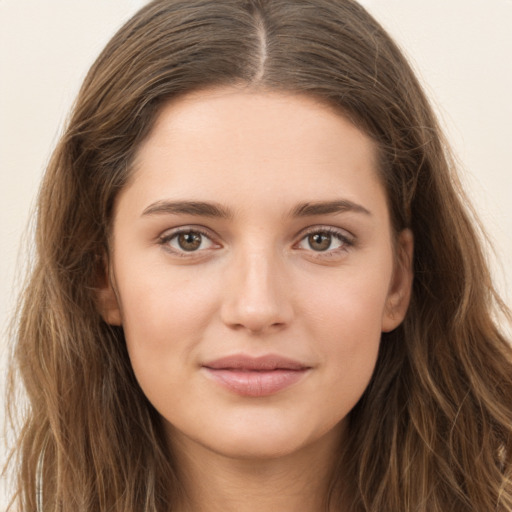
199	208
328	207
213	209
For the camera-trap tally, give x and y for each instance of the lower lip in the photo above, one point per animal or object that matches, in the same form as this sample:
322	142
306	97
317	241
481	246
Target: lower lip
256	383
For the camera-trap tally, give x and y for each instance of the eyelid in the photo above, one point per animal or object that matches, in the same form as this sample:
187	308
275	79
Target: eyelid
169	234
322	228
346	237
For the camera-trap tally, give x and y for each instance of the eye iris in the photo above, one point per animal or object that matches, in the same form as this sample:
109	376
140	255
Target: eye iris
189	241
319	241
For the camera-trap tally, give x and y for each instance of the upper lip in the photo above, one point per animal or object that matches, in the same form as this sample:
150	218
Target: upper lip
244	362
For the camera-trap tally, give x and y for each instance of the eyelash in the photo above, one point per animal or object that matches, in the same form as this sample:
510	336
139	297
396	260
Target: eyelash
167	237
347	241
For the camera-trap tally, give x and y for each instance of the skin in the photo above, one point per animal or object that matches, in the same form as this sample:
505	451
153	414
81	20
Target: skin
258	283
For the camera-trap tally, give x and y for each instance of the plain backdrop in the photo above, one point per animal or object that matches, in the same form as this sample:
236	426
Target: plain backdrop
460	48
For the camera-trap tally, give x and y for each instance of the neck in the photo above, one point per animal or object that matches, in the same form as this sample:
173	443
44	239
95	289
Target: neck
291	482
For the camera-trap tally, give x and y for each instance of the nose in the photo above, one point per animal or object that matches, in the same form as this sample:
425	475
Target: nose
256	296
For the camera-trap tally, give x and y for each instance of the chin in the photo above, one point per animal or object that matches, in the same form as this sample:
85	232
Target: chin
258	446
250	451
261	438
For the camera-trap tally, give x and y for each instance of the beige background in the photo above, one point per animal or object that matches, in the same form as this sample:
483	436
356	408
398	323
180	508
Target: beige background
463	49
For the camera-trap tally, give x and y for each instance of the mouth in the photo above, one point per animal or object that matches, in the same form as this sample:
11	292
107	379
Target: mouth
255	376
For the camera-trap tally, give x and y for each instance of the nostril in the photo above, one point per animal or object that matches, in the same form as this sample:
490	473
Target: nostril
254	321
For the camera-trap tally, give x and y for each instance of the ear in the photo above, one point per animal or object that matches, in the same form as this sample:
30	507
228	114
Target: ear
399	294
106	295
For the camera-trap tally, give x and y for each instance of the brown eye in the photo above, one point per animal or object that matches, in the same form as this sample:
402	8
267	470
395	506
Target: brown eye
187	241
320	241
190	241
330	241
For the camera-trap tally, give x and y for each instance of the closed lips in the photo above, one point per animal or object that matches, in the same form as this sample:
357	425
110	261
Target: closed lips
262	363
256	377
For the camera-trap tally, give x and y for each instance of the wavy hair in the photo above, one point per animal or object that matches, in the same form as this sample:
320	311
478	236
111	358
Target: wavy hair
433	430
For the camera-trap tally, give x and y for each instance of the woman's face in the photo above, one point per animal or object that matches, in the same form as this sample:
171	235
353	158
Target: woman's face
253	269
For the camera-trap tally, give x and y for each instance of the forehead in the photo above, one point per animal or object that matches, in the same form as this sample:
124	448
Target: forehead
270	144
253	114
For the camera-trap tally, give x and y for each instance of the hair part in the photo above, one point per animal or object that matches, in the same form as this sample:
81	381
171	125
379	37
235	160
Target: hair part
433	430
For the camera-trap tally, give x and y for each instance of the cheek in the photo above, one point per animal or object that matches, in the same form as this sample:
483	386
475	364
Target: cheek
164	313
348	304
345	320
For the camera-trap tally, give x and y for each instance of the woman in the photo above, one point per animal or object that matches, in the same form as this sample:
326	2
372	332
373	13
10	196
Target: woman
257	286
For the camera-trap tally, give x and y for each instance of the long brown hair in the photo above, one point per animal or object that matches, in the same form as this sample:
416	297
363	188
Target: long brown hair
432	432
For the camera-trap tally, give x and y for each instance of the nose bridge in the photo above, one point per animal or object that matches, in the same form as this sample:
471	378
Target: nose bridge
255	297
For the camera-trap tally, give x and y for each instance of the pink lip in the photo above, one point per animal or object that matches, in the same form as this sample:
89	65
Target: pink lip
256	376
